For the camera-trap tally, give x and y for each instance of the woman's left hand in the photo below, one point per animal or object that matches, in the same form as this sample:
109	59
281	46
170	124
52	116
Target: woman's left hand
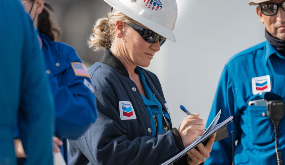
56	142
195	157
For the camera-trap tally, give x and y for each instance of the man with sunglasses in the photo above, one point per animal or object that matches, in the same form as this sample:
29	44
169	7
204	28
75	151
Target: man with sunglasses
248	81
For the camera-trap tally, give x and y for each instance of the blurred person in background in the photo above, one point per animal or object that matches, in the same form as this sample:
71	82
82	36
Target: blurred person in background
133	125
25	91
75	106
249	80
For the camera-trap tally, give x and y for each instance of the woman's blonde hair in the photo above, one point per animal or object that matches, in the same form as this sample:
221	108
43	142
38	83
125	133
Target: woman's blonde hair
104	30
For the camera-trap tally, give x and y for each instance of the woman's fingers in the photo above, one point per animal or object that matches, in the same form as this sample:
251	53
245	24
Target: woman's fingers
192	159
55	148
56	143
191	127
203	152
211	142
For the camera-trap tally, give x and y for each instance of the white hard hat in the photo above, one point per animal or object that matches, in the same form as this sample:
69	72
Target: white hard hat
158	15
256	2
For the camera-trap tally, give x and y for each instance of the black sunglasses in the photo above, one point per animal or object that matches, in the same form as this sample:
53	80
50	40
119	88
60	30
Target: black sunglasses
148	35
271	9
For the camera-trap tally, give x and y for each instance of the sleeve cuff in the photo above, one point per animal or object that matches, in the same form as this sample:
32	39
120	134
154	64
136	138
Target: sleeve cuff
178	139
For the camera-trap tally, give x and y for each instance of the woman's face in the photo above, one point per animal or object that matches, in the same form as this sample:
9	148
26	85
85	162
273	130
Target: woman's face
33	8
28	7
138	51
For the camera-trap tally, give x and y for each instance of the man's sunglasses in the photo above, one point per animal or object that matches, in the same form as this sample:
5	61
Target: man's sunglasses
271	9
148	35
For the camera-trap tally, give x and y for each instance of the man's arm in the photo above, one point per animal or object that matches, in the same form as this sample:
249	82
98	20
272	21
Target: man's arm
224	100
36	114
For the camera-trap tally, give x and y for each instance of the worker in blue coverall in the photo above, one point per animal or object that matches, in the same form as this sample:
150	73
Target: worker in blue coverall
134	125
25	89
75	106
250	76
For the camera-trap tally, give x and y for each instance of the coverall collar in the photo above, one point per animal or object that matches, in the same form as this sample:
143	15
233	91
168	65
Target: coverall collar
270	50
110	60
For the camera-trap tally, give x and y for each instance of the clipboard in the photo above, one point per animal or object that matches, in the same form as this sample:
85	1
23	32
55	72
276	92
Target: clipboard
213	127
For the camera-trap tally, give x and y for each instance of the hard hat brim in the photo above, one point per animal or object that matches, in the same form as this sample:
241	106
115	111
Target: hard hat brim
257	2
159	29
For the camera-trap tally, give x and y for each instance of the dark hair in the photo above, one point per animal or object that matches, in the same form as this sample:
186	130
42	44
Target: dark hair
47	27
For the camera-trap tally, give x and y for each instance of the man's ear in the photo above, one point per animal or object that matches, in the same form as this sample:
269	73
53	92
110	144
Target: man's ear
39	6
119	26
260	15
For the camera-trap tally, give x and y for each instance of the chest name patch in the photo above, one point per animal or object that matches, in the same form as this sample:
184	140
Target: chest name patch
126	110
261	84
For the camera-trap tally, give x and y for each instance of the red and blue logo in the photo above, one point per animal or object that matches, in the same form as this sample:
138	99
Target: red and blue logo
261	86
153	4
127	110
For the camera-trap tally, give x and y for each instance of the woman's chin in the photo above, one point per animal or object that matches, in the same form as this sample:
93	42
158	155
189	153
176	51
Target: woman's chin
145	64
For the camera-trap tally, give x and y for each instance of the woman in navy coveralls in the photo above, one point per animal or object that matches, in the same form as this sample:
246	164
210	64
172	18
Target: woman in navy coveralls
133	125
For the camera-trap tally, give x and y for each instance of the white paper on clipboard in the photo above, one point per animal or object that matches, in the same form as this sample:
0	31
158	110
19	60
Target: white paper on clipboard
214	127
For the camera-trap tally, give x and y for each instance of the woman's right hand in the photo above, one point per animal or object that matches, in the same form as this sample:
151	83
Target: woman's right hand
191	127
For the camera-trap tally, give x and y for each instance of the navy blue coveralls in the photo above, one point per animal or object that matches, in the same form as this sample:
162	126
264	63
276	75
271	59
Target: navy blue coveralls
123	132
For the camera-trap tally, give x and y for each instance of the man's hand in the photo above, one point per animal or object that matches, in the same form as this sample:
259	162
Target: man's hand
196	157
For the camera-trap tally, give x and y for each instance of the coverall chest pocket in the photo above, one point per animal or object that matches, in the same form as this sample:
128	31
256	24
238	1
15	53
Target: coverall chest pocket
261	129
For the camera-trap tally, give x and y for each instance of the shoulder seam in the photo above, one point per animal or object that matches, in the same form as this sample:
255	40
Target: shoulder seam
246	52
95	70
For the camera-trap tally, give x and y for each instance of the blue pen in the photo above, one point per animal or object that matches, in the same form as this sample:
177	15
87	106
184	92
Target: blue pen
185	110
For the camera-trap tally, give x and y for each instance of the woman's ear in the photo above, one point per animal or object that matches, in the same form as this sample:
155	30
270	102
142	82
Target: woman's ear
119	26
39	6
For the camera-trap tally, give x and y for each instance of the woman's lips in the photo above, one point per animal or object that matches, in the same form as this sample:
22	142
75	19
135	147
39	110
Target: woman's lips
149	55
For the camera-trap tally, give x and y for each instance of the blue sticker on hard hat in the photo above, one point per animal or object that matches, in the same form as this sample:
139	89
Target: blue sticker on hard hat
153	4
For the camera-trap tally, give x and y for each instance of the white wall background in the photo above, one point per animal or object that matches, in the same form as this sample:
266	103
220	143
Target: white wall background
208	33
